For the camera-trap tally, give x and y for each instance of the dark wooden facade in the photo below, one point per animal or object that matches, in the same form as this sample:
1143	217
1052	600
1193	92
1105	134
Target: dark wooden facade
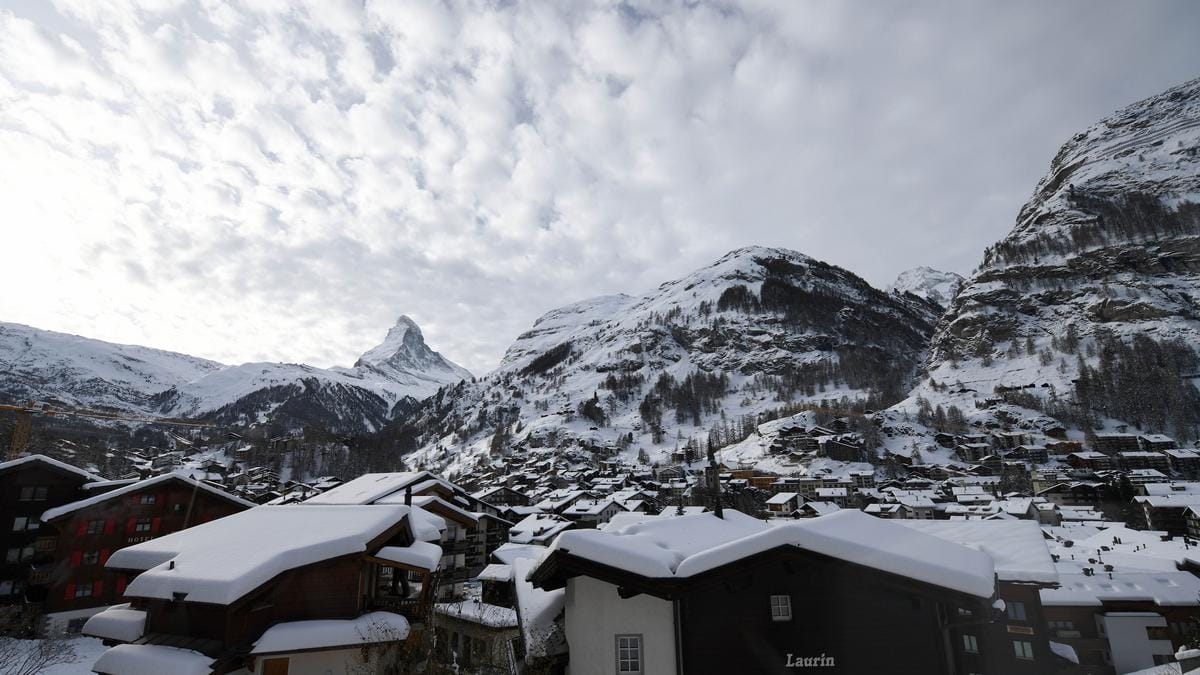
88	536
862	619
344	587
27	489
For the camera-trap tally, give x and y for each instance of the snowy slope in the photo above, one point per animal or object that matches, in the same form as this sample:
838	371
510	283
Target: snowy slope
46	366
755	331
1108	245
926	282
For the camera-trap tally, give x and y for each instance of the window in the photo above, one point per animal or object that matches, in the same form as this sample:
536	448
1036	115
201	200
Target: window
1157	633
6	587
781	608
91	557
1023	649
34	493
95	526
25	524
1062	625
146	499
143	525
1016	610
629	654
275	667
970	644
84	590
14	555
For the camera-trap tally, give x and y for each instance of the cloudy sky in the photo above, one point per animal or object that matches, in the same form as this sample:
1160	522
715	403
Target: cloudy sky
279	181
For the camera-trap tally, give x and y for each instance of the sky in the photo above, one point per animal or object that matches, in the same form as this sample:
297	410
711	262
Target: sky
280	180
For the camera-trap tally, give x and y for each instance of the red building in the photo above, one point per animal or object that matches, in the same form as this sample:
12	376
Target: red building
29	486
91	529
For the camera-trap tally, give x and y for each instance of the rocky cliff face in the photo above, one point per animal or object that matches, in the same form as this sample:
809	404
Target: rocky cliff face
1107	250
688	363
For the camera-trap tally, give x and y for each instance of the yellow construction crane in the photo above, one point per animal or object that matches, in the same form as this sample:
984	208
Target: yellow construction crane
24	421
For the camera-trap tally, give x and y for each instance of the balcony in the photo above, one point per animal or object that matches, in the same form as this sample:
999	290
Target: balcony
45	544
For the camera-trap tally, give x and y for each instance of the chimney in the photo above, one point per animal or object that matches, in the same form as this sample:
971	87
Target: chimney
408	496
715	485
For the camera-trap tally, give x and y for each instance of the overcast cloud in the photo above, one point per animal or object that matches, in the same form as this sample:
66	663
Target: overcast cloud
280	181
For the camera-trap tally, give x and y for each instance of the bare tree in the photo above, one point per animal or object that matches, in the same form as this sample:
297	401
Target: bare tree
29	657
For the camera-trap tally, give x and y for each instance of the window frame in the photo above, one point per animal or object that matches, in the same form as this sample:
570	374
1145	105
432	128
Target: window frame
1013	608
780	617
970	643
639	659
143	525
1023	650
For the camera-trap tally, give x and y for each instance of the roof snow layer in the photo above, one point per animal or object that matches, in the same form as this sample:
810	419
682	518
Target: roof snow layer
690	545
223	560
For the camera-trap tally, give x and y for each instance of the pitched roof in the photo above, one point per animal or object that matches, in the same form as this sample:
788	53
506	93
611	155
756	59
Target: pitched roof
67	509
223	560
51	462
1016	547
689	545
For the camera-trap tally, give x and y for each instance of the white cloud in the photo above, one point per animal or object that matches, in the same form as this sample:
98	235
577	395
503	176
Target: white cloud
280	180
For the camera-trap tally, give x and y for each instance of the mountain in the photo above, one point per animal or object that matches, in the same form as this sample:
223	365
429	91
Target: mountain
75	371
44	365
925	282
1089	310
759	332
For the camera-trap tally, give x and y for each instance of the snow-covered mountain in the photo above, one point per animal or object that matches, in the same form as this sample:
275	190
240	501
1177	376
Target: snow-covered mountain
1089	310
46	366
43	365
694	361
933	285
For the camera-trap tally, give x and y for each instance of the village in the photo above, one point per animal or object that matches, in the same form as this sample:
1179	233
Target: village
1032	554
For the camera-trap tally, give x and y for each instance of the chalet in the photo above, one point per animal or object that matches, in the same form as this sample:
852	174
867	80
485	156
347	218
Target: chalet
473	528
845	450
1143	460
1020	643
29	486
591	513
90	530
541	529
1166	512
972	452
273	590
502	495
1075	493
1184	462
1122	620
1152	442
783	504
700	594
1112	443
1095	461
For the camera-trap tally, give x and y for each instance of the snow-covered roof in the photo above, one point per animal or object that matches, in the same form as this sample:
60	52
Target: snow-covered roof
49	461
495	572
67	509
371	487
223	560
782	498
689	545
511	552
119	623
1164	588
420	554
492	616
538	527
1017	547
296	636
538	609
152	660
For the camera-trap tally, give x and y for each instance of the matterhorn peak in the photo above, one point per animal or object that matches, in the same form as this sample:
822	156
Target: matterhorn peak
403	354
